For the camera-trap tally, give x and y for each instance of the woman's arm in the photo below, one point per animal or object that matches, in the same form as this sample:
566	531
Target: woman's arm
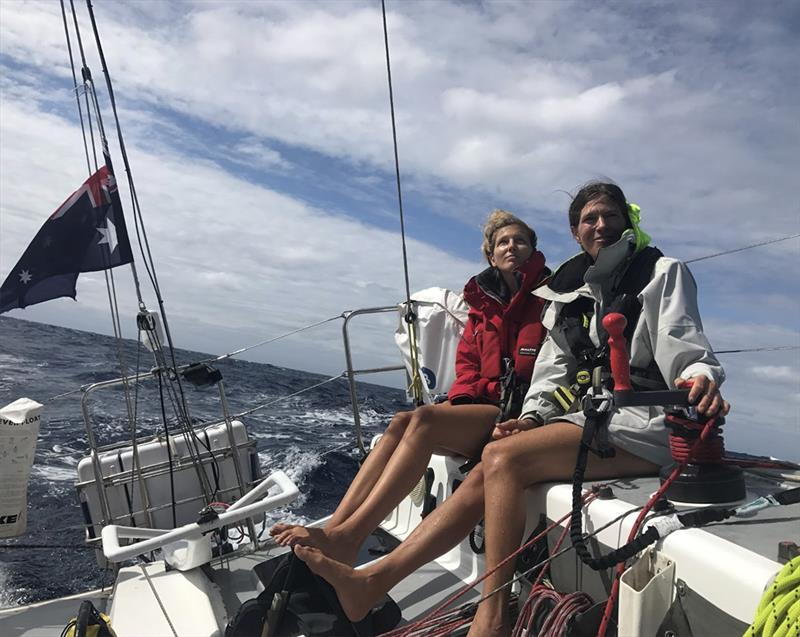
554	368
469	384
680	347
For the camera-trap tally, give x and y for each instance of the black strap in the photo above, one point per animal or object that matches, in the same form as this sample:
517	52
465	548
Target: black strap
576	527
88	616
789	496
575	317
594	424
705	516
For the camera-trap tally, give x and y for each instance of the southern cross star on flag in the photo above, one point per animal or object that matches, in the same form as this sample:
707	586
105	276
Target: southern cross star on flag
86	233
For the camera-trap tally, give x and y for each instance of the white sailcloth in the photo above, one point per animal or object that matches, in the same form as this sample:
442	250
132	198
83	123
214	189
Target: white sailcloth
441	317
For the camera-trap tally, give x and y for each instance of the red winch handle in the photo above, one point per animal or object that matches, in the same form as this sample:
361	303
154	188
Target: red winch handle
614	323
624	396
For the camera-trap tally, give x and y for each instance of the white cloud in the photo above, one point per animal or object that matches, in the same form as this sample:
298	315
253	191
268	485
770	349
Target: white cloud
228	252
778	374
498	104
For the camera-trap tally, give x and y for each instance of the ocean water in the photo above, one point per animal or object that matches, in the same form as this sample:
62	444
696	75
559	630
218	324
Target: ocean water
310	436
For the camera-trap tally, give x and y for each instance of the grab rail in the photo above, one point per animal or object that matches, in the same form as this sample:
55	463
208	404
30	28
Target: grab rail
158	538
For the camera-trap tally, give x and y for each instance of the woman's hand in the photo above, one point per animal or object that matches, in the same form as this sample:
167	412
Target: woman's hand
513	426
704	395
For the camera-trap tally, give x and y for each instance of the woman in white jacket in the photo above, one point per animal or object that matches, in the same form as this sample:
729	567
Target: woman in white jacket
541	445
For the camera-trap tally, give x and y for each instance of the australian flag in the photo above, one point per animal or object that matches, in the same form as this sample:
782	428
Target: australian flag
86	233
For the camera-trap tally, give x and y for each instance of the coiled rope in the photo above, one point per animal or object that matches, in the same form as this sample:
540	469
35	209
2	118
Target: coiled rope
442	621
564	607
778	614
435	616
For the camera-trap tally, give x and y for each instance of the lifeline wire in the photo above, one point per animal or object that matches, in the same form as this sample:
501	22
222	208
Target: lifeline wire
297	393
271	340
777	348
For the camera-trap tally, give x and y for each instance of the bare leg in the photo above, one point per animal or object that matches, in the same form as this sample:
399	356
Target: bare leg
461	429
510	466
367	475
359	590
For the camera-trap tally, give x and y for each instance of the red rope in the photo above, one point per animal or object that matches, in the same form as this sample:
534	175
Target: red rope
564	609
436	613
687	446
683	450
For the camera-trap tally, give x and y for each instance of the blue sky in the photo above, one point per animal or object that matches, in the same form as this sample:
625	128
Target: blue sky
260	140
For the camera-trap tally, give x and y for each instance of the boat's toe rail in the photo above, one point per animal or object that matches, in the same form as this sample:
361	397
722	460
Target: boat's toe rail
188	546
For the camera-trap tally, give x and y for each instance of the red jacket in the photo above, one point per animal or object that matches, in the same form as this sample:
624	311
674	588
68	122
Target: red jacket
496	330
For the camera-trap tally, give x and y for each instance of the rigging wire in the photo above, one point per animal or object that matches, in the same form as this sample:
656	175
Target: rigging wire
75	87
410	318
743	248
143	241
86	75
168	445
91	101
396	155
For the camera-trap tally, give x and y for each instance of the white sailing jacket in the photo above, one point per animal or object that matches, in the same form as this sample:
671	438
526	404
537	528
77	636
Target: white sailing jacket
669	332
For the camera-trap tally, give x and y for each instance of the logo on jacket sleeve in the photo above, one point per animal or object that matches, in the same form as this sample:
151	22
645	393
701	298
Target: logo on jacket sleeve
429	376
528	351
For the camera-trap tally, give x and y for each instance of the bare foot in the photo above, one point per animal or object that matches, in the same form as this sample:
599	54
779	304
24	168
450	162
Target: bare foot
333	545
485	626
352	587
280	528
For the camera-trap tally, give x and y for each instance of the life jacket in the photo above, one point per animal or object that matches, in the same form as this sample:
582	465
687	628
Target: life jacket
504	334
575	318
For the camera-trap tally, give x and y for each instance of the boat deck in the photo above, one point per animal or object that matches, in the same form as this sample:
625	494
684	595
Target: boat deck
742	551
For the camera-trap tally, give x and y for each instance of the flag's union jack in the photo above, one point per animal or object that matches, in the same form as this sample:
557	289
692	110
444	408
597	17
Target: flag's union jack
85	234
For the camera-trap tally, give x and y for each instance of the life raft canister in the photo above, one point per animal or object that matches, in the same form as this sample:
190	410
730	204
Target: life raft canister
19	430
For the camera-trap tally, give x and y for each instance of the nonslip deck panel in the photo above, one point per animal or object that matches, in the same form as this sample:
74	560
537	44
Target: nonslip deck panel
427	588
